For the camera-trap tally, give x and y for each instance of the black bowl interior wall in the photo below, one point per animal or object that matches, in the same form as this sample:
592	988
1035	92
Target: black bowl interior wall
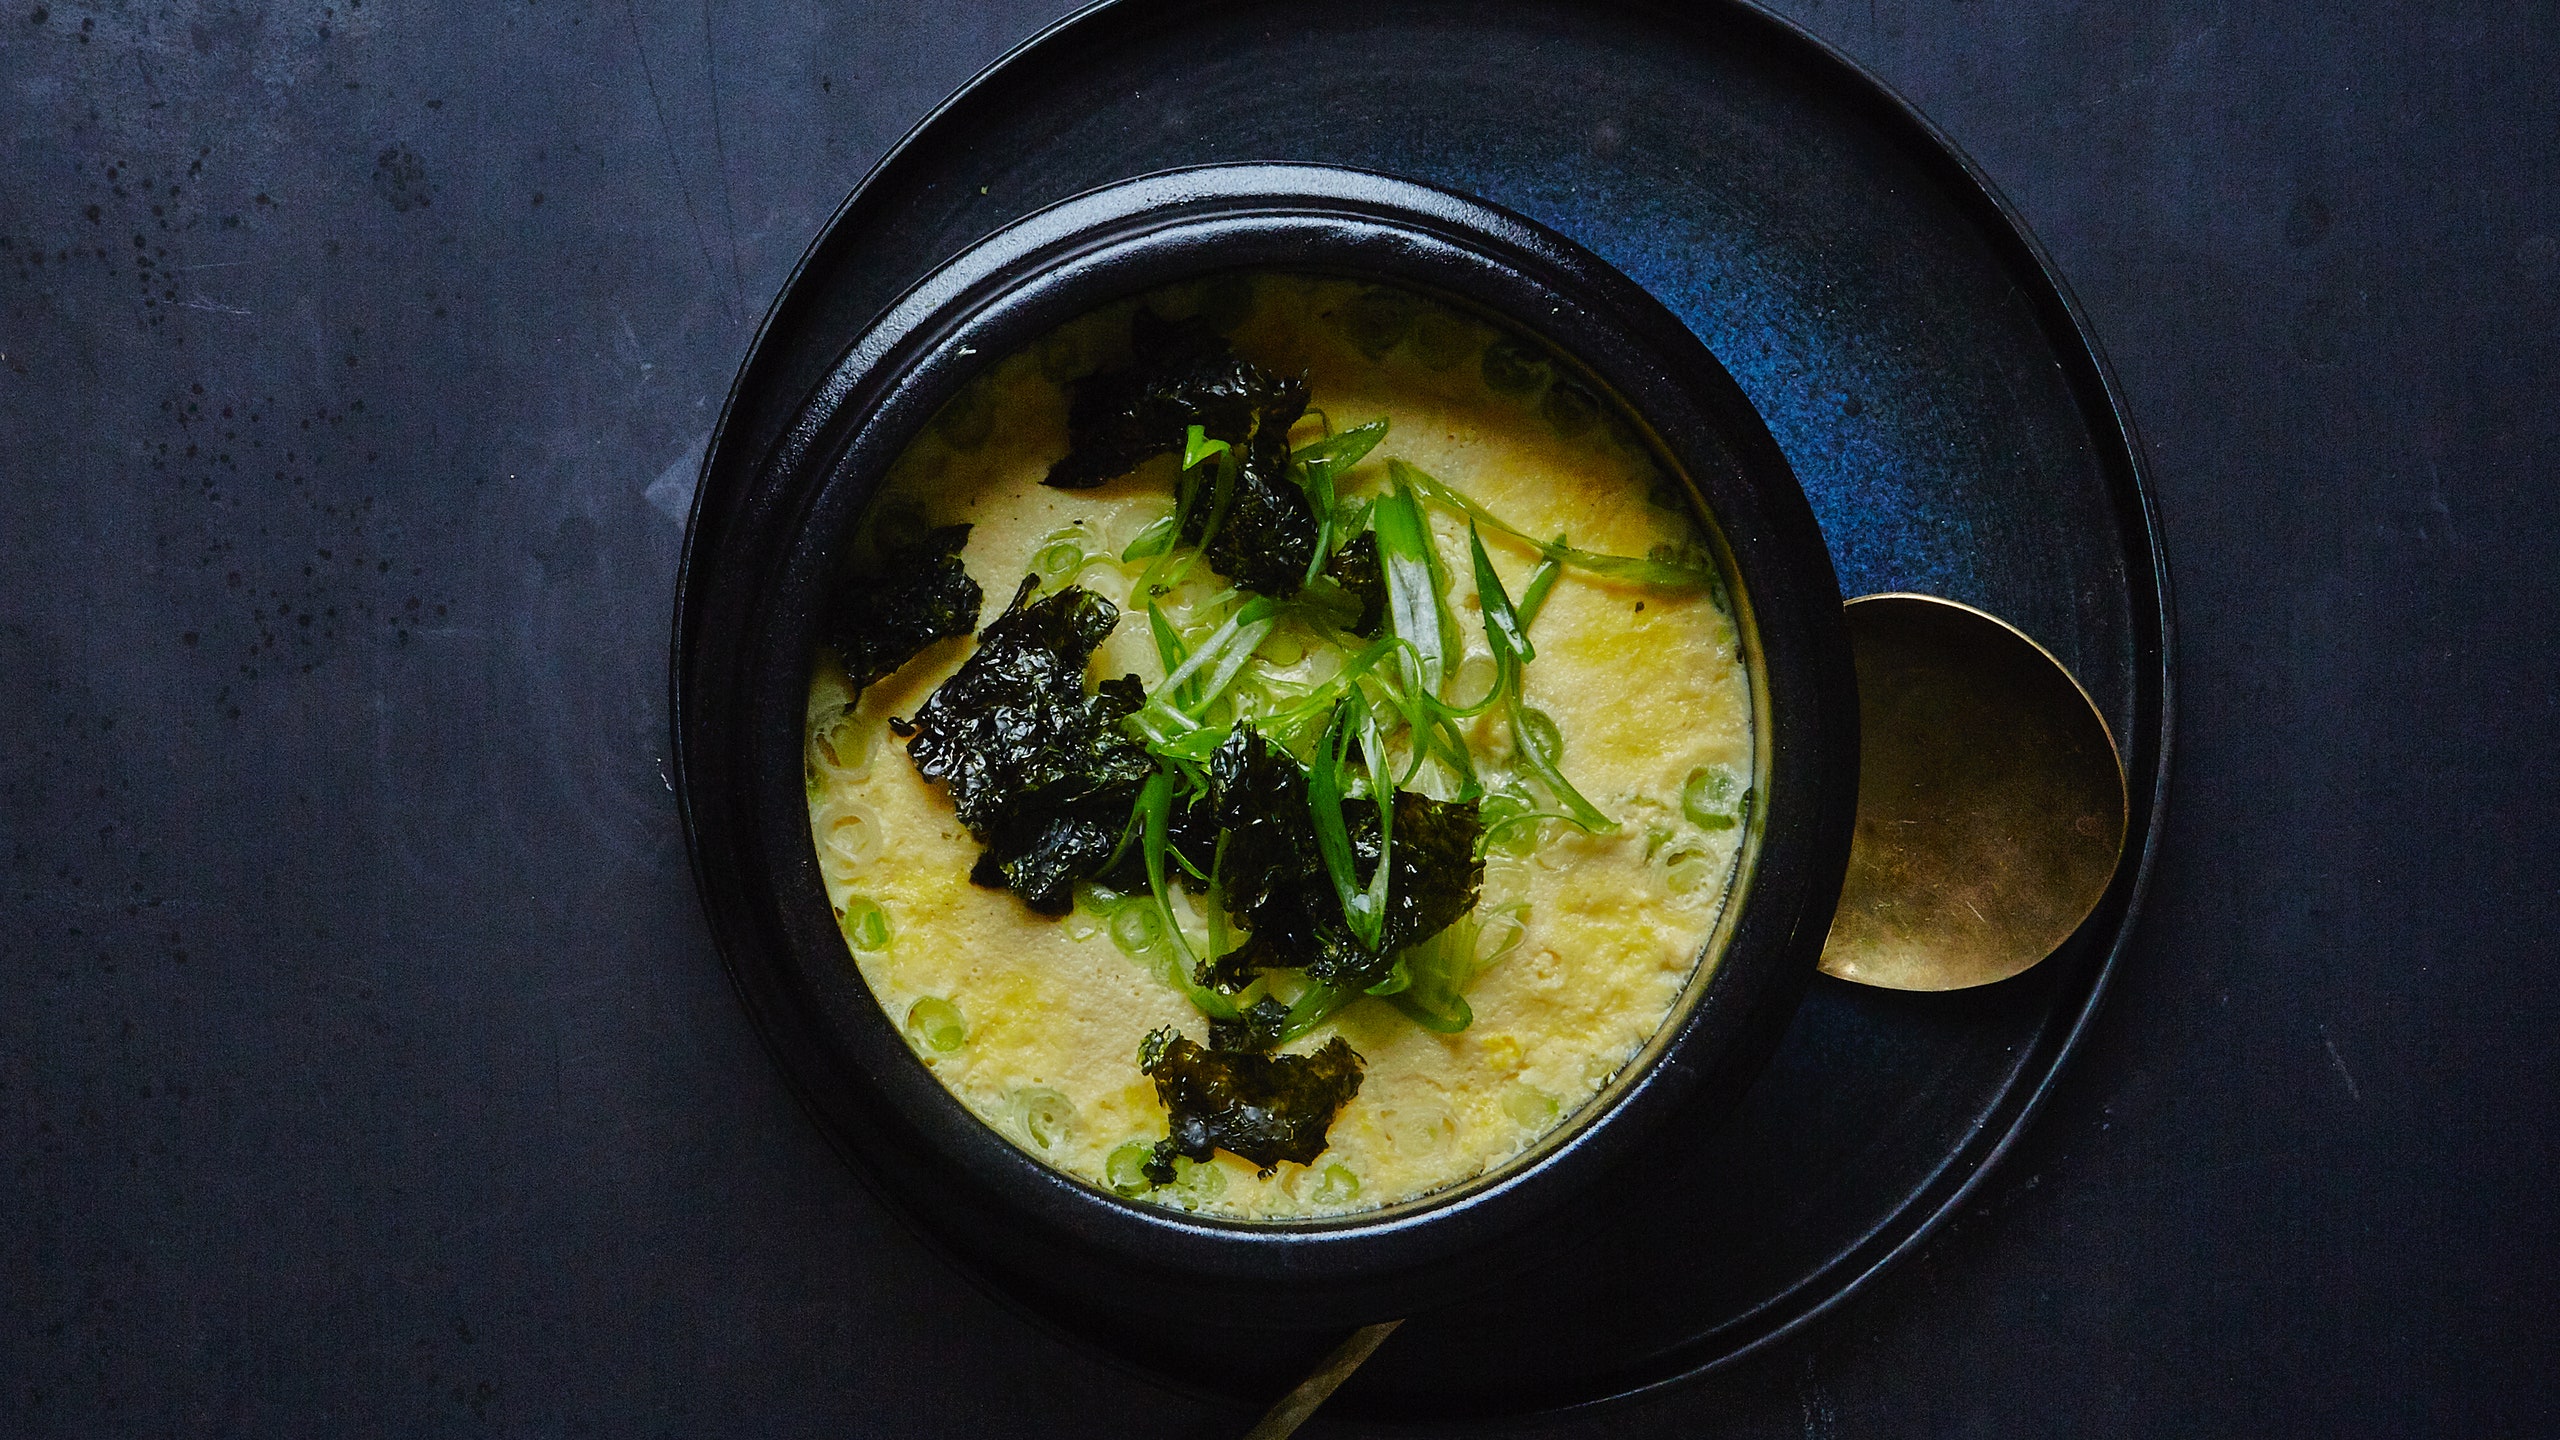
751	594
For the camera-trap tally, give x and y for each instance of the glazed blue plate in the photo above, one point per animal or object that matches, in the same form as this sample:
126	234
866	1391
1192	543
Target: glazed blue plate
1937	396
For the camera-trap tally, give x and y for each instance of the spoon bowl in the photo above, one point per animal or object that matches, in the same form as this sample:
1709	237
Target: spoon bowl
1991	800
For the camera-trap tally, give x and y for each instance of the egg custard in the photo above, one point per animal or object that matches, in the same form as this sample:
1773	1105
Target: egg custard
1285	748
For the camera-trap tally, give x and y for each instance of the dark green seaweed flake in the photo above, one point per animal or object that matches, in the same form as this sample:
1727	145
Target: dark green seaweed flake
1180	374
1267	534
1257	1028
1355	568
922	594
1037	766
1265	1108
1261	531
1275	879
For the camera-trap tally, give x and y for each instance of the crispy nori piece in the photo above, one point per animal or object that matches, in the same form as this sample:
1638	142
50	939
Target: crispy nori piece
922	594
1355	568
1182	373
1275	877
1268	534
1038	767
1264	1108
1258	795
1436	872
1258	1028
1192	830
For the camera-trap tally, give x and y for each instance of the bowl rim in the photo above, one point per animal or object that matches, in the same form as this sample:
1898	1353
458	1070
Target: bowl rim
911	1139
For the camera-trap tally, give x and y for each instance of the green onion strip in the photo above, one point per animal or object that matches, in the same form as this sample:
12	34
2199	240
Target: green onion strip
1197	447
1662	574
1509	637
1324	460
1155	802
1364	906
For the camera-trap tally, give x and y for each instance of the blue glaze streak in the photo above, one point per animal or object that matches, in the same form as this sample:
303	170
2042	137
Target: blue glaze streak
1863	437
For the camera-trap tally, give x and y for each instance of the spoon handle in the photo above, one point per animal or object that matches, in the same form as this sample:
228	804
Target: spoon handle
1282	1420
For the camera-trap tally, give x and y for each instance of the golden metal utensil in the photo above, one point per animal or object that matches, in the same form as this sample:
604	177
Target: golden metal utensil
1284	1418
1991	800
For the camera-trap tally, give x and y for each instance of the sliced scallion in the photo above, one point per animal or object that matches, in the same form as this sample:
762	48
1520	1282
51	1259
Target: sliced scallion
1533	598
1364	911
1198	1180
1126	1170
1667	574
865	924
1155	803
1154	540
1707	799
1170	651
935	1024
1341	450
1534	736
1503	627
1197	447
1529	1107
1414	607
1535	739
1686	870
1313	1007
1137	930
1045	1115
1337	1186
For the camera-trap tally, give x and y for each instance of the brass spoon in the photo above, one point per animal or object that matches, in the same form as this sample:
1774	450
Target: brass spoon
1991	800
1283	1419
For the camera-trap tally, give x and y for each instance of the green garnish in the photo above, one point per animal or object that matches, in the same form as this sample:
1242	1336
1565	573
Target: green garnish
1686	870
1036	763
1664	573
1155	805
1511	367
1709	801
1137	929
921	594
1529	1107
1437	971
1170	651
934	1023
1415	608
1045	1115
1222	655
1337	1186
1504	629
1156	538
1364	905
1263	1108
1542	580
1126	1170
1197	1181
1337	453
865	924
1323	461
1534	736
1535	741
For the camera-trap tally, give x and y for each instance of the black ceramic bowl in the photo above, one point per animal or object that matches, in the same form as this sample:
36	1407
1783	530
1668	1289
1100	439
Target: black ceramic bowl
749	616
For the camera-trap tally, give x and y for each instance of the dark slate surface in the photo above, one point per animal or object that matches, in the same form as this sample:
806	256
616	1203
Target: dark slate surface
365	1068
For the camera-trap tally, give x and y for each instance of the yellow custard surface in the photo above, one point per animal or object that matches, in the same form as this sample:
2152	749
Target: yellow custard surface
1035	1023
